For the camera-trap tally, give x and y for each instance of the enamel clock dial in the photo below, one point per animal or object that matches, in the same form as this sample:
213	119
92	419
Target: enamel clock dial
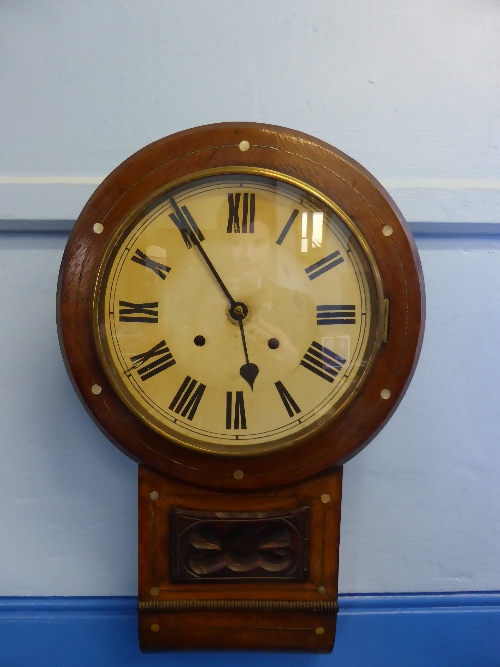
240	306
237	313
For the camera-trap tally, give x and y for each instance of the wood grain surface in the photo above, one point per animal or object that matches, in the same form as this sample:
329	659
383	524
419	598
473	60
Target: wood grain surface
293	154
238	613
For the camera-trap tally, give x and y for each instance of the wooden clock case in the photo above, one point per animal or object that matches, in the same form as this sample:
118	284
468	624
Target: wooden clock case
280	511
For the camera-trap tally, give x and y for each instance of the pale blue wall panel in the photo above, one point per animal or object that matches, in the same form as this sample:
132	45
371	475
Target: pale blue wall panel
421	503
410	89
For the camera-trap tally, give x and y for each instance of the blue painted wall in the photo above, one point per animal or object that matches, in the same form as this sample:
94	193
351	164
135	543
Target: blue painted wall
372	631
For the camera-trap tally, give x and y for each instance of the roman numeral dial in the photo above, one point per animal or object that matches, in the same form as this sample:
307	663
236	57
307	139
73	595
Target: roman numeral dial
139	312
235	413
141	258
240	312
319	268
335	315
241	208
154	361
322	361
287	227
290	405
187	398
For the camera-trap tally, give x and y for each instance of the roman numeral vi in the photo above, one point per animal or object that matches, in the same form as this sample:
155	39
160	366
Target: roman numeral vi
239	411
247	213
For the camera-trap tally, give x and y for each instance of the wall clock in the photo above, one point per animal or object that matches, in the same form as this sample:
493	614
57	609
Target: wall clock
240	308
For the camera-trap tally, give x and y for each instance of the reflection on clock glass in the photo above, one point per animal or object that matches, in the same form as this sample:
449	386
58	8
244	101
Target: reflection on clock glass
236	314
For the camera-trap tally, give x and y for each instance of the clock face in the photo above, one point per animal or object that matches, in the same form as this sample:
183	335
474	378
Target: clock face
237	313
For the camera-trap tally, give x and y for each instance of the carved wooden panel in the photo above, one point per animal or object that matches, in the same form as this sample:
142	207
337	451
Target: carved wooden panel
243	546
257	608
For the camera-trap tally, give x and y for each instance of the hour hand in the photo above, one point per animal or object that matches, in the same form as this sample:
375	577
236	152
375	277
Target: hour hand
248	371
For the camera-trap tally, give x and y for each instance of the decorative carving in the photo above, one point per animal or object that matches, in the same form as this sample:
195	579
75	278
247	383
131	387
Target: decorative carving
221	546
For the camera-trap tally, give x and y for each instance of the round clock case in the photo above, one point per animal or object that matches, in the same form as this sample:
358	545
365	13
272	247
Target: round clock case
240	306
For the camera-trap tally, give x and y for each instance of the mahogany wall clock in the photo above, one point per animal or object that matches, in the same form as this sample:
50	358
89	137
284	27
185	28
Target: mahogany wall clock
240	308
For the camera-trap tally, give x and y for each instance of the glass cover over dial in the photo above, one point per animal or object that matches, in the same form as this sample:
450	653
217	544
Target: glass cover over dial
237	313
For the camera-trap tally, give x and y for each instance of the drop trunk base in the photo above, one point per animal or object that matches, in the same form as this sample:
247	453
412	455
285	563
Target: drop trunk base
253	571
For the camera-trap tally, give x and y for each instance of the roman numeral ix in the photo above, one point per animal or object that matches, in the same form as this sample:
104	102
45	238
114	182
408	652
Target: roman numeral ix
324	265
322	362
188	398
247	213
335	314
160	269
239	411
164	361
138	312
184	222
290	405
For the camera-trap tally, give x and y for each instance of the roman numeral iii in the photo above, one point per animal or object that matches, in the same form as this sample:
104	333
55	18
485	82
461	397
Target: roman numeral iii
184	222
138	312
335	314
247	213
239	411
290	405
322	361
163	361
318	268
160	269
187	399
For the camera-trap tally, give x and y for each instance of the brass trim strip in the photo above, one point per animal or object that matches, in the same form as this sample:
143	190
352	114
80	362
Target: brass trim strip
99	292
310	606
385	336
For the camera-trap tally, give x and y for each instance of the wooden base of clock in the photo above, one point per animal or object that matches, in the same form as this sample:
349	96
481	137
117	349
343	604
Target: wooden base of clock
231	571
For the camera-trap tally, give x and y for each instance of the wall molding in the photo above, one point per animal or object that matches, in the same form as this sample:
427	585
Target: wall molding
419	229
389	630
435	200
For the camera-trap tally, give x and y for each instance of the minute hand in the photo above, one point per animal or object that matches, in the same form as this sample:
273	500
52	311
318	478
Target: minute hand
187	224
237	309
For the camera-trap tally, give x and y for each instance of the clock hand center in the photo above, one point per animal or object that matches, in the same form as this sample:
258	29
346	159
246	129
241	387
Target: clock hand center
237	309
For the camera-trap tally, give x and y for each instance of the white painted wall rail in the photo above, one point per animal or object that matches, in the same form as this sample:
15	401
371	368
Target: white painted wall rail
48	198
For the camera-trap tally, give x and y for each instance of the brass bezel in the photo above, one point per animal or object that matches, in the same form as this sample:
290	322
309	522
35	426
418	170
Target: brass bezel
233	451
